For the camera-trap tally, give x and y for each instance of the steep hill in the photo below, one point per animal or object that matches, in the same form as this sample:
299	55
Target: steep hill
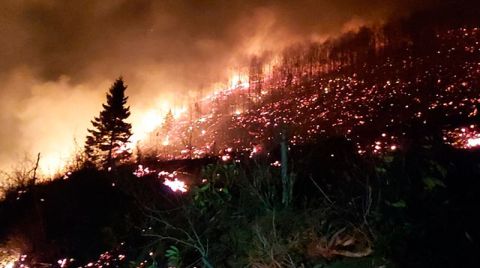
374	87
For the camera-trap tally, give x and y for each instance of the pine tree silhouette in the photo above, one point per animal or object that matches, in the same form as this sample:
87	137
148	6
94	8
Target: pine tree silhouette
106	142
168	122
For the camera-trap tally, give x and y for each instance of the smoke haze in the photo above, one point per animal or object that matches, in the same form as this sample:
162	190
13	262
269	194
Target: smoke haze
58	58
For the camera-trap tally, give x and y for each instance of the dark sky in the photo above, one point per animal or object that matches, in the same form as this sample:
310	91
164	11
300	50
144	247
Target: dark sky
58	57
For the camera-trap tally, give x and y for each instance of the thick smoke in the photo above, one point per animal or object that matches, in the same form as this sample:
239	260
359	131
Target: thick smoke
59	57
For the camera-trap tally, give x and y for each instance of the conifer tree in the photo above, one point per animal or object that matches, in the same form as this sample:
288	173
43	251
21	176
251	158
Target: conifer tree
168	122
107	140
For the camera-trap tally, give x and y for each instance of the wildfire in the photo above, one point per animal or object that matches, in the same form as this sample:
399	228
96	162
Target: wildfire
344	104
166	141
8	258
176	185
238	80
171	180
463	138
148	121
123	148
51	164
473	142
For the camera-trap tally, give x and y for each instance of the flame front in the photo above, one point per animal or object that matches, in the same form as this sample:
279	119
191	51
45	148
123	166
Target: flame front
176	185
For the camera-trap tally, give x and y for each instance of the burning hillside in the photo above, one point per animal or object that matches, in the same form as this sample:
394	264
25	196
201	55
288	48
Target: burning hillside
372	89
252	134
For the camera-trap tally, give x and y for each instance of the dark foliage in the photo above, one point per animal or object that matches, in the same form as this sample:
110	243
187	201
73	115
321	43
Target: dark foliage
77	217
414	208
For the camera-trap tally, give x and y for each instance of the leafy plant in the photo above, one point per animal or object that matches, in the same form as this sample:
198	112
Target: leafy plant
173	256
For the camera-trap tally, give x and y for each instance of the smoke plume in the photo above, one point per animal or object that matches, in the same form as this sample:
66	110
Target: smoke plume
58	58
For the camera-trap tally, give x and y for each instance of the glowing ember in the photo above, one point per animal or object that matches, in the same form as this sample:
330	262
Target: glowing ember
276	164
166	141
123	148
463	138
238	80
142	171
226	157
473	142
176	185
255	150
8	258
62	262
10	264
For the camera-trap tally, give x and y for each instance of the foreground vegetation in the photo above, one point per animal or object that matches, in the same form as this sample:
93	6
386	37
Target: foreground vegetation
412	208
